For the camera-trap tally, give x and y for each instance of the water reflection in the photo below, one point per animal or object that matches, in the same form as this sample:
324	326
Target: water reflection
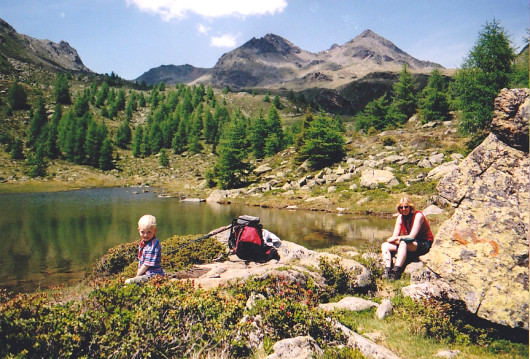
52	238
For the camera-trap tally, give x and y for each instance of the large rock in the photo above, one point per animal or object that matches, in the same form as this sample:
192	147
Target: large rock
510	122
296	348
482	250
298	258
371	178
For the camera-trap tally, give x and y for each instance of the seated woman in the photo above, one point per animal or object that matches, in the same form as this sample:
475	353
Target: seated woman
412	234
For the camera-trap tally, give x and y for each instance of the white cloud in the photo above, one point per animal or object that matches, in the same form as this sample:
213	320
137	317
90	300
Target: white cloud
224	41
202	29
170	9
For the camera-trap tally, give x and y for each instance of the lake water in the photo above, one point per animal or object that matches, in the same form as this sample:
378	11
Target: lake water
51	239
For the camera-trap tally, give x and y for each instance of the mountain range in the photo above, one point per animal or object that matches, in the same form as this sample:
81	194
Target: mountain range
18	50
341	79
275	63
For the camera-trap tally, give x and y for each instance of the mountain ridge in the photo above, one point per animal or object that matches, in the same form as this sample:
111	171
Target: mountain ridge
17	49
274	62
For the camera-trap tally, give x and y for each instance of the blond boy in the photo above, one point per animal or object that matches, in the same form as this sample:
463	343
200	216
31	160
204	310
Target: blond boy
149	251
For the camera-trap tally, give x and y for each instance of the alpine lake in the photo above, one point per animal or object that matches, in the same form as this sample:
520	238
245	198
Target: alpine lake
52	239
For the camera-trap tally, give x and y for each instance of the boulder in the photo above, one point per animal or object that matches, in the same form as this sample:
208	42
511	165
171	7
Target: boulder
442	170
384	310
297	257
349	303
371	178
510	121
303	347
481	252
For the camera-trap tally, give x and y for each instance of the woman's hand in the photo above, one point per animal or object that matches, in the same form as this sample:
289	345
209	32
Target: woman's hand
393	240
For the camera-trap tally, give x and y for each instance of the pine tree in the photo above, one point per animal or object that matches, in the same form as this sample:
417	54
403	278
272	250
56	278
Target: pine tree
102	95
105	157
36	164
374	115
403	104
163	160
52	142
62	90
232	168
210	127
17	152
137	141
275	138
434	104
258	136
486	70
17	97
81	105
324	144
38	122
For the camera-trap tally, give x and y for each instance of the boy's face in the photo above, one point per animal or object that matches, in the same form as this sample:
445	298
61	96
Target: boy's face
146	232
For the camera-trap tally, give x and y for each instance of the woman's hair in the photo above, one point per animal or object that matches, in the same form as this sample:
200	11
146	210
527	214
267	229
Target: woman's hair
405	201
147	221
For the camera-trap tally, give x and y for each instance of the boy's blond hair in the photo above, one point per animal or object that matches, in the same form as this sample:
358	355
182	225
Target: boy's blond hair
147	221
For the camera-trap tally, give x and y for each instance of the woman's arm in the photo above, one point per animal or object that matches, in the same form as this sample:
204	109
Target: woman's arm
416	226
397	231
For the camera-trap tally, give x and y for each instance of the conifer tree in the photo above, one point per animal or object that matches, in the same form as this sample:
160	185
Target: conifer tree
52	145
210	127
120	100
275	138
178	143
403	103
434	104
486	70
17	97
38	122
156	139
259	136
36	164
102	94
163	160
95	135
62	90
137	141
105	157
324	144
232	167
81	105
276	102
373	115
17	150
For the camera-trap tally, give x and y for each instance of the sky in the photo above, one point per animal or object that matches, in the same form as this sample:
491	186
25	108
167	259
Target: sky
129	37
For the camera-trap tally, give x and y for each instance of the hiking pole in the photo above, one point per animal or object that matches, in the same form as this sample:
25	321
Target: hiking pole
213	233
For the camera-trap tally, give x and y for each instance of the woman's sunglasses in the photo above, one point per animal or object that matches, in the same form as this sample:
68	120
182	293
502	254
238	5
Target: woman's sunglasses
403	207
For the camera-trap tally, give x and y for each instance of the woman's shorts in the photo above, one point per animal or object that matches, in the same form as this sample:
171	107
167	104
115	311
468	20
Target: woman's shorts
423	247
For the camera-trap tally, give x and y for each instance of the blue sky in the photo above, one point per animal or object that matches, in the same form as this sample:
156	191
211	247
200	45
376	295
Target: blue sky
131	36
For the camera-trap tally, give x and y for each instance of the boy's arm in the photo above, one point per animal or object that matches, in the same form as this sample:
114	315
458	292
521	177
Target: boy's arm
141	270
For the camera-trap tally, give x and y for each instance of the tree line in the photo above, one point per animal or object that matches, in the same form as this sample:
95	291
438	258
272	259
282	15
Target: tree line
487	69
193	119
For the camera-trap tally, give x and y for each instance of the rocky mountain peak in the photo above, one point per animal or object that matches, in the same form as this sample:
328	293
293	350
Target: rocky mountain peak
271	44
26	49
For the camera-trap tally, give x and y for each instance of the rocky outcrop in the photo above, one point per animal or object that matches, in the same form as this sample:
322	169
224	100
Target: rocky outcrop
298	258
481	252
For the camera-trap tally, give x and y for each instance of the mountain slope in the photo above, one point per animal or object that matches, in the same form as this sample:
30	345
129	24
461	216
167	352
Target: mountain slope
172	74
17	50
273	62
276	63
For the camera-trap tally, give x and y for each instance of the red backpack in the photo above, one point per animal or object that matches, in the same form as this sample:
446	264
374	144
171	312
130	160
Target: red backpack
246	239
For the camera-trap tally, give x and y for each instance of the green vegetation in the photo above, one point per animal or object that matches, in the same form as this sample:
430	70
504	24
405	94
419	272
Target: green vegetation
164	318
486	70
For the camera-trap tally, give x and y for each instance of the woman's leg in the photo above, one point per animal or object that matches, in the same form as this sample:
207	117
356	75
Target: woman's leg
386	253
401	256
